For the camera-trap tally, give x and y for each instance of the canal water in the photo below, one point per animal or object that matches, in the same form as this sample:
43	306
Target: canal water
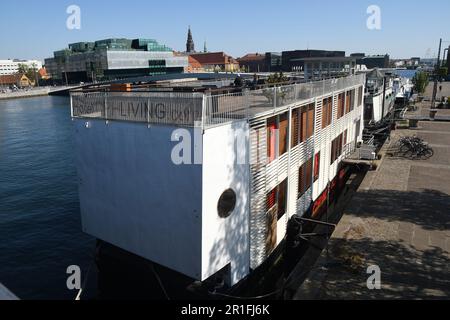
40	227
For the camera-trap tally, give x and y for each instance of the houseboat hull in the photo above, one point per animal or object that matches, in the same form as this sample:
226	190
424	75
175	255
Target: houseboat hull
123	275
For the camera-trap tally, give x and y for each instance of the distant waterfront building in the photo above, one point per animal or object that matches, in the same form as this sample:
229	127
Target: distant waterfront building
194	66
257	62
253	62
358	55
399	63
326	67
18	80
292	61
190	46
43	74
429	62
113	59
216	61
8	67
415	61
273	61
371	62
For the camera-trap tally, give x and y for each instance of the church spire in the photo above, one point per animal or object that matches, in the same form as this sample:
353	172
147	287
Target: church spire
190	47
205	50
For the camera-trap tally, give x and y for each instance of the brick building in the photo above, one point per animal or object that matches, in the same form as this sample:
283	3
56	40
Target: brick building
253	62
216	61
18	80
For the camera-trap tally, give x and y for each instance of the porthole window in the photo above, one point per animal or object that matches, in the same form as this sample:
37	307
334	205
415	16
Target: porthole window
227	203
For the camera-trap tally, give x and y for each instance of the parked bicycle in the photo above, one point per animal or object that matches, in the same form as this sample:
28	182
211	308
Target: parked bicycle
414	148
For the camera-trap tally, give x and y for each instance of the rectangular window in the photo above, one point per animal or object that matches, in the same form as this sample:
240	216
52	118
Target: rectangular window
347	101
271	199
316	167
352	100
283	133
282	199
309	173
301	181
304	124
277	200
333	152
295	130
345	137
330	111
305	177
271	138
337	148
327	112
360	96
357	130
310	121
341	105
324	113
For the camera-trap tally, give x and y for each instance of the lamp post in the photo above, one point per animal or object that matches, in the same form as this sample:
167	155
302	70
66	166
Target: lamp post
438	64
437	70
443	56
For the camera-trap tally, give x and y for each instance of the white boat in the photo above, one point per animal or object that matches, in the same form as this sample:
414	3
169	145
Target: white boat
404	89
379	96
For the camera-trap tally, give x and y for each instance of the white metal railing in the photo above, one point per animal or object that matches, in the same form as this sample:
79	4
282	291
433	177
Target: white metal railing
348	149
177	108
192	109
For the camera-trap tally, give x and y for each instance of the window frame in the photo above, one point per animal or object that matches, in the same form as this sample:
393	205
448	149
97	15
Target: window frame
272	128
283	130
316	167
341	105
347	101
295	127
282	188
327	112
277	199
305	178
361	96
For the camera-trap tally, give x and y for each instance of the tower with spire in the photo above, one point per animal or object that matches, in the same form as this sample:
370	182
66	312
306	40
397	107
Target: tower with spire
190	47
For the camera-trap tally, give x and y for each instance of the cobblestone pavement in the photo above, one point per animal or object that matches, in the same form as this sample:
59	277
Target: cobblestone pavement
399	219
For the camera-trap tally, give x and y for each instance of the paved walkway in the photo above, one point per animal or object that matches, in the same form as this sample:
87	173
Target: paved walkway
25	94
399	219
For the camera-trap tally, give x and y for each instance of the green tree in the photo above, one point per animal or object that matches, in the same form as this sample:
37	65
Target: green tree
276	78
30	72
23	68
420	81
443	71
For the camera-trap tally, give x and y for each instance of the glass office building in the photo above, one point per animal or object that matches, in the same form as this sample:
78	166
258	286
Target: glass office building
111	59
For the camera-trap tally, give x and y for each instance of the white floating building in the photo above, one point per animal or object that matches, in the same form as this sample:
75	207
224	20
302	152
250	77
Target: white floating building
199	181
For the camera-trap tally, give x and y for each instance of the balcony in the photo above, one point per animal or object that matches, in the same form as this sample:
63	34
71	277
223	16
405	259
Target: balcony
193	109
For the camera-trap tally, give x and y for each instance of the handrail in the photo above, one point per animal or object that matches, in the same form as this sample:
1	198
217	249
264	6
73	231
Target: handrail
207	107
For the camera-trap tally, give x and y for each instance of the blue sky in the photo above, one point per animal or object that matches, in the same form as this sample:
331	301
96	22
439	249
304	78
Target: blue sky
34	29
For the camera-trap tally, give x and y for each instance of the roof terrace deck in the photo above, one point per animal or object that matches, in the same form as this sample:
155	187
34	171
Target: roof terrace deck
193	109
